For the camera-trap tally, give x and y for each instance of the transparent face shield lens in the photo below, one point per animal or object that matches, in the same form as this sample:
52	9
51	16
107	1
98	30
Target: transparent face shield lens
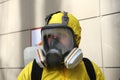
61	38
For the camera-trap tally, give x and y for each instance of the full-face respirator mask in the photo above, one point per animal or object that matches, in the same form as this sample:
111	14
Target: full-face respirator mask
59	47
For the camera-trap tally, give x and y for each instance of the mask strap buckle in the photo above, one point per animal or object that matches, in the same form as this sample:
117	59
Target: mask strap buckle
65	19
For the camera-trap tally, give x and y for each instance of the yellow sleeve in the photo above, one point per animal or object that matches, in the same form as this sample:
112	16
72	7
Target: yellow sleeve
25	74
99	74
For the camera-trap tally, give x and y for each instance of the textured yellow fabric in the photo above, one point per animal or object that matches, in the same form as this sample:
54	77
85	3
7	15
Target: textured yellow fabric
99	74
78	73
25	74
72	23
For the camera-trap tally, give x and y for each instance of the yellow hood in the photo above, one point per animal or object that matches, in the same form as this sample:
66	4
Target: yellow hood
72	23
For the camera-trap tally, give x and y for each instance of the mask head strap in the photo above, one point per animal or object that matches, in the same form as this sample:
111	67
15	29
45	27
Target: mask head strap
65	18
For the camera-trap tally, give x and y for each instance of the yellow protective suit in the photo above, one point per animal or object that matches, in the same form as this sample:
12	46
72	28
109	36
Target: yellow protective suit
78	73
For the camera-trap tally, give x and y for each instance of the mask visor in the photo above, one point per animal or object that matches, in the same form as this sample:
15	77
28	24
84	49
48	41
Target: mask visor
61	38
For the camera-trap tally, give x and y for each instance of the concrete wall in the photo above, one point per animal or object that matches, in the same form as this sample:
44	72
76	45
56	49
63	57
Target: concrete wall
100	22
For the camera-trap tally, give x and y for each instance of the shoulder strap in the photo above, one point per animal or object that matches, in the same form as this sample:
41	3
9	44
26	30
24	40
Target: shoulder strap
36	73
89	68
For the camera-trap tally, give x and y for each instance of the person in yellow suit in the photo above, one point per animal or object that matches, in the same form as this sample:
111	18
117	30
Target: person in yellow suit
60	57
